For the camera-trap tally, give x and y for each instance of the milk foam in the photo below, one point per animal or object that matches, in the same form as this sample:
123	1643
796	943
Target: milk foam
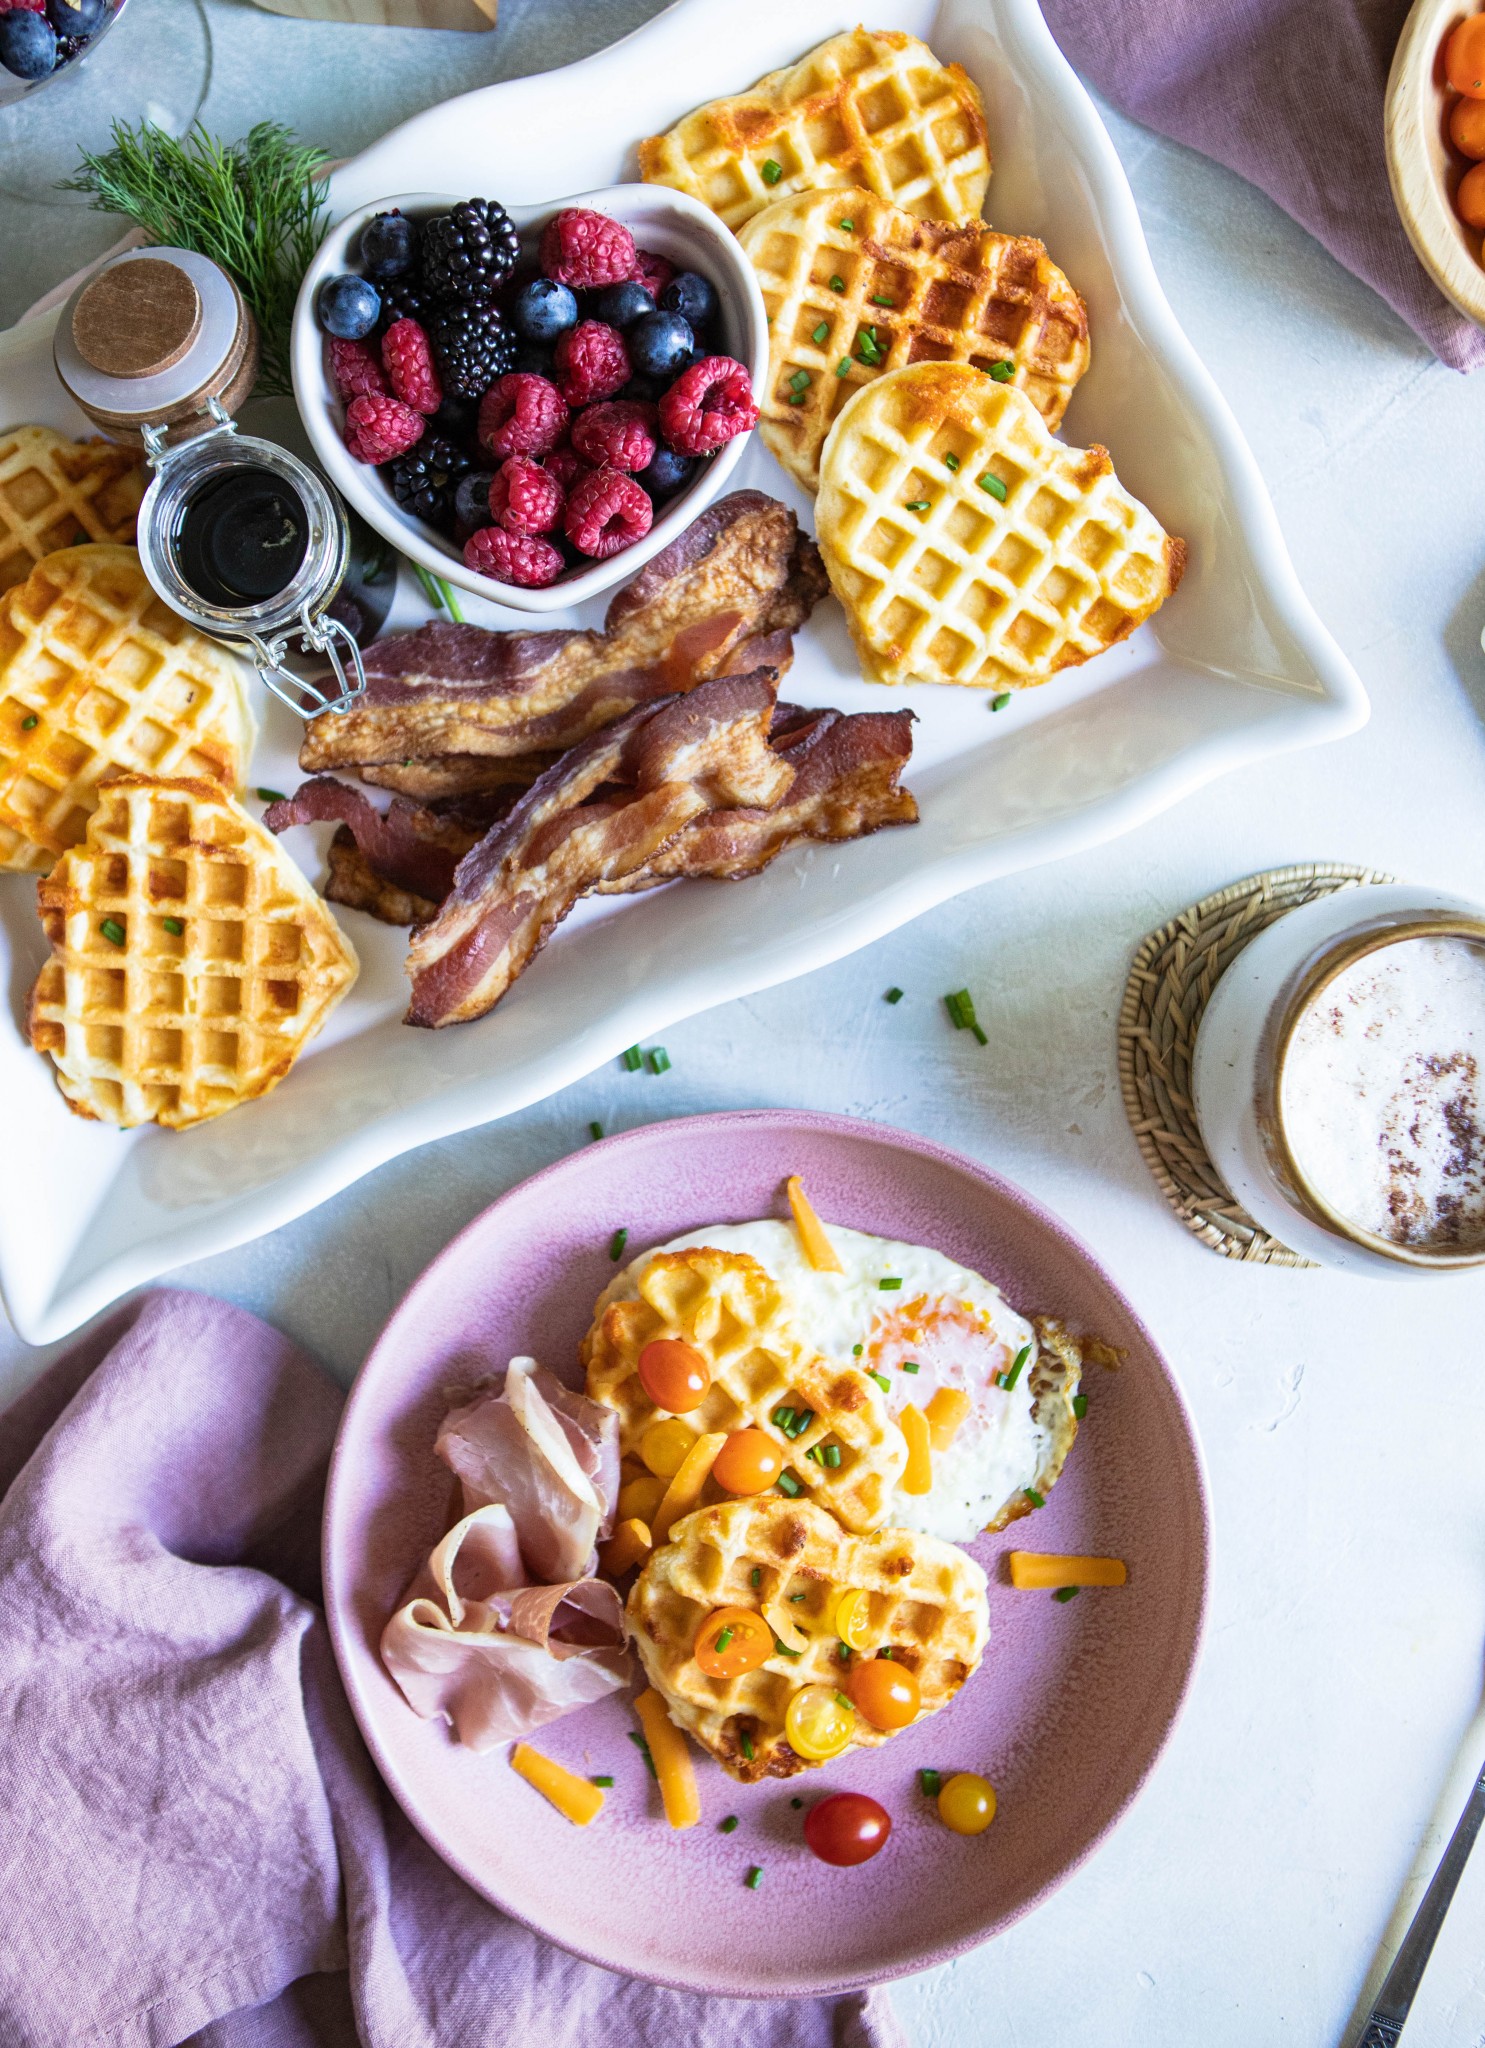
1384	1093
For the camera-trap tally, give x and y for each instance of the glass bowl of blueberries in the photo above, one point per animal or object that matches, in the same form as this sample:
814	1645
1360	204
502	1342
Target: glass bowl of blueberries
44	40
530	402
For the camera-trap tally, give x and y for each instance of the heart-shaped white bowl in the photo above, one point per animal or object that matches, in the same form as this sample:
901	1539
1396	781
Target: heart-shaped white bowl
670	224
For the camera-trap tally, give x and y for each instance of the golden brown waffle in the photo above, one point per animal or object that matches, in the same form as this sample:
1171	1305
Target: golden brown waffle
855	287
731	1311
969	546
927	1603
192	961
55	492
869	107
99	677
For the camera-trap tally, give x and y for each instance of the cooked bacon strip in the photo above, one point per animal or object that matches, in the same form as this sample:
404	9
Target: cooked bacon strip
405	844
725	597
695	753
445	777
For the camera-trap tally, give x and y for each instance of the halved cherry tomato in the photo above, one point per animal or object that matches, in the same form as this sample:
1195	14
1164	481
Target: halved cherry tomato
1469	200
732	1640
852	1619
885	1693
664	1446
846	1828
1464	58
1467	128
749	1462
966	1803
674	1375
818	1723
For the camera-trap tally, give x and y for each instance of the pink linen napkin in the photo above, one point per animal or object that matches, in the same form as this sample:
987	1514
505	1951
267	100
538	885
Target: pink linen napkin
1289	94
195	1844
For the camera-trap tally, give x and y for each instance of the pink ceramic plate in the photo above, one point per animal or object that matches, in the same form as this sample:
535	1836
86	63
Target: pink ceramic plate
1066	1716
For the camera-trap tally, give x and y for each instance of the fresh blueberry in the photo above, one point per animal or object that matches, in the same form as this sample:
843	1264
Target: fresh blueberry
622	304
28	45
544	310
533	362
389	244
692	296
660	344
667	473
455	420
348	308
472	503
76	18
648	389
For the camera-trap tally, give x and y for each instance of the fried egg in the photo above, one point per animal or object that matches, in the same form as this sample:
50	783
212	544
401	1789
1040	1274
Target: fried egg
921	1323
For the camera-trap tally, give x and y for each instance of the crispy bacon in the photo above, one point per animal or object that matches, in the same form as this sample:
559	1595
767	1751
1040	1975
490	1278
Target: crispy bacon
605	810
406	845
726	597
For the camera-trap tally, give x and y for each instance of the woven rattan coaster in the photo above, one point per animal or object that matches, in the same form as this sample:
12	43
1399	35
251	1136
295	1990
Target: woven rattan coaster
1170	984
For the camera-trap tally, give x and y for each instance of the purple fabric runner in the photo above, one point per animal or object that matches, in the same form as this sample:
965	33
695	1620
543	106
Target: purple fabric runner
195	1844
1288	93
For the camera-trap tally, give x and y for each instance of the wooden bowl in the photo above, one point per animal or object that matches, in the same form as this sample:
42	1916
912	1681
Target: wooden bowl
1423	164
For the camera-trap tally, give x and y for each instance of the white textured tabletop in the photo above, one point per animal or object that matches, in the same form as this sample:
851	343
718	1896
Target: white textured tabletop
1248	1897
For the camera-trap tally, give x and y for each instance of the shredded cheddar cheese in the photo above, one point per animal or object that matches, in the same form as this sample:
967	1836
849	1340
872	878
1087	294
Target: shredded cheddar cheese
1035	1571
672	1761
575	1798
944	1414
629	1545
684	1491
813	1235
917	1475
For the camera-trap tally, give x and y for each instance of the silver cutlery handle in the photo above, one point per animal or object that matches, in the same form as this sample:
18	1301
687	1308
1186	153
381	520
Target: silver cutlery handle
1384	2023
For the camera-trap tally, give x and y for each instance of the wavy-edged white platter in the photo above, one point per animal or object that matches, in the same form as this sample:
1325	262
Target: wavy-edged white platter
1235	669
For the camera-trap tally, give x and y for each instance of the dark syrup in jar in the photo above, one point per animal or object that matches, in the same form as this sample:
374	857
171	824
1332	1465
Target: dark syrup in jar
241	538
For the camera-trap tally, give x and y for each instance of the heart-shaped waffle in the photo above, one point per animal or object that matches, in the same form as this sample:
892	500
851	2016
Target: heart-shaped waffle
55	492
790	1561
732	1312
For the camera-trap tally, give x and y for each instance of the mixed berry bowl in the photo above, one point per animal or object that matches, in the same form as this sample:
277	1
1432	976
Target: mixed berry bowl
510	412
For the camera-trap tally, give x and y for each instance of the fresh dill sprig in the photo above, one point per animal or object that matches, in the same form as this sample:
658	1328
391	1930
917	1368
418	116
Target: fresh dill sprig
256	207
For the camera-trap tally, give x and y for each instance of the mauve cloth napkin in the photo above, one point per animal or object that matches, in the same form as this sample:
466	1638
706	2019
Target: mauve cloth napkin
1289	93
194	1843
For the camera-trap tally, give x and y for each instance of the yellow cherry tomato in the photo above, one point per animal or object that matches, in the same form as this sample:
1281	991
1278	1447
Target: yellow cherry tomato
1469	200
885	1693
1464	58
664	1446
639	1498
749	1462
1467	128
852	1619
731	1641
819	1723
966	1803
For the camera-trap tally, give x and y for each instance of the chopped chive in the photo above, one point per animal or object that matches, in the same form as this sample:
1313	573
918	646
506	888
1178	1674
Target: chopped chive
1002	372
796	1802
644	1749
855	1351
886	1652
113	931
450	602
173	925
837	284
755	1576
888	1285
1080	1405
840	1696
910	1365
1036	1499
893	995
616	1245
633	1059
802	1421
951	462
723	1639
270	796
831	1454
845	1654
780	1651
725	1827
1000	700
754	1877
930	1782
848	226
1066	1593
799	380
30	724
595	1129
961	1009
992	483
882	1381
783	1418
821	331
429	583
790	1485
797	397
601	1781
813	1453
772	171
746	1742
916	505
843	367
881	299
796	1597
659	1060
1009	1379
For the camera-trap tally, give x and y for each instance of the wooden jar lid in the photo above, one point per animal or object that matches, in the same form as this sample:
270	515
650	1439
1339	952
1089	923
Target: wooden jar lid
136	319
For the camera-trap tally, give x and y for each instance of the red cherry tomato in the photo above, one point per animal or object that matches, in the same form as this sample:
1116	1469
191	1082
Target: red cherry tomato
674	1376
748	1462
846	1828
1464	58
884	1692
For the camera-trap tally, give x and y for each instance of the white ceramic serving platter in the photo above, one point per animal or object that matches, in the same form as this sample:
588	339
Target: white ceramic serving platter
1235	669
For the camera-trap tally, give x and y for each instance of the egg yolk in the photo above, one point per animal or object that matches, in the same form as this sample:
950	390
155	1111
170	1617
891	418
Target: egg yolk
934	1345
674	1375
884	1692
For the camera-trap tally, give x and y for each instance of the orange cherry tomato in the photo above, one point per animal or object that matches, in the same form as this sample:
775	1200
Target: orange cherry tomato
846	1828
675	1376
732	1640
1464	58
1467	128
1469	200
748	1462
884	1692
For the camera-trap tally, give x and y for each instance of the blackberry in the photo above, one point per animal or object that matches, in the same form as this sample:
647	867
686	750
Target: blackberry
469	253
473	346
404	299
425	479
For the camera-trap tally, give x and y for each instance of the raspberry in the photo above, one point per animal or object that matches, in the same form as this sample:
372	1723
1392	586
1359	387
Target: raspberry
522	415
525	498
407	356
22	6
356	371
523	558
586	249
606	513
565	466
653	272
707	405
625	434
592	362
380	429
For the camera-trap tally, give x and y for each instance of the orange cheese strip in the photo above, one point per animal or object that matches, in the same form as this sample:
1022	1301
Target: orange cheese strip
944	1414
629	1545
1035	1571
672	1761
818	1249
684	1491
572	1796
917	1474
